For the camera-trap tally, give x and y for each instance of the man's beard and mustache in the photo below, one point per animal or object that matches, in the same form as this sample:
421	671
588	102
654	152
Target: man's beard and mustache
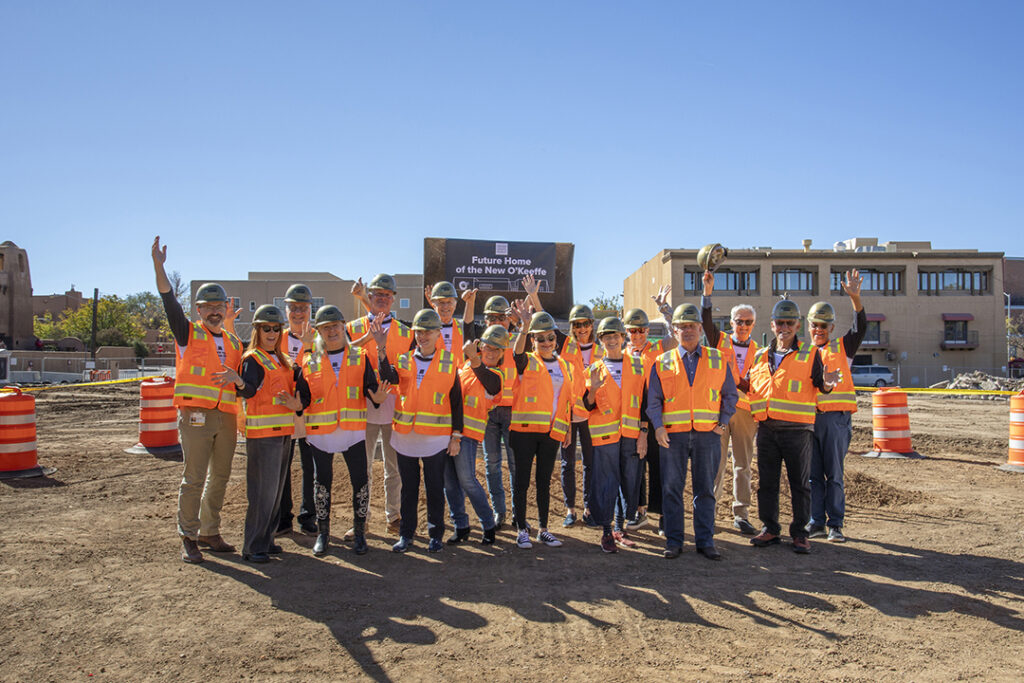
214	319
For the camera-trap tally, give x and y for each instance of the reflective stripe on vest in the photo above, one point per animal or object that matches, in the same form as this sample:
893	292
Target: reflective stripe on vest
842	398
194	368
266	415
536	391
787	394
693	407
617	410
337	400
425	409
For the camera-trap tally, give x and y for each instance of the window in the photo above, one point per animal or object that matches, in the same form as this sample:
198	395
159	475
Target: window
252	305
726	281
279	302
794	281
873	334
886	282
235	302
955	331
318	301
403	303
963	281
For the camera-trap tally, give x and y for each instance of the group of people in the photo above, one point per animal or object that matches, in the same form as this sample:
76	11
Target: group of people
435	390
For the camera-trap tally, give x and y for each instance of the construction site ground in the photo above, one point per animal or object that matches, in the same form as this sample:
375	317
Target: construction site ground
930	585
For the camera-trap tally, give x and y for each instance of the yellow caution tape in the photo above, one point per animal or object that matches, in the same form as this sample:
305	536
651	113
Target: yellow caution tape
975	392
78	384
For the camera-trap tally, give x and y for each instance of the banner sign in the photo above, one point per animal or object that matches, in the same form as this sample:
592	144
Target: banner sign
499	266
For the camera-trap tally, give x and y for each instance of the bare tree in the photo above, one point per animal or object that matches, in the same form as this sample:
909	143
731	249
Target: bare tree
180	289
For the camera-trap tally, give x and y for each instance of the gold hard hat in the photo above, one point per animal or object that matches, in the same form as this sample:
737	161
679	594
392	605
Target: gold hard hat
711	256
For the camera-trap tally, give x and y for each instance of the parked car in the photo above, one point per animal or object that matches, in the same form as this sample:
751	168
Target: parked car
872	375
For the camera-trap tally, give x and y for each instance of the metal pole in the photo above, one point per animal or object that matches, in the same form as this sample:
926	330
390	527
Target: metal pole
95	304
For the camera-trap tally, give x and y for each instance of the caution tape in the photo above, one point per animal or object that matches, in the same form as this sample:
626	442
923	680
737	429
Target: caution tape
79	384
911	390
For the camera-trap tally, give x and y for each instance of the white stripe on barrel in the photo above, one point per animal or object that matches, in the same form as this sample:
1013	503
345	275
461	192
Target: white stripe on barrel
26	419
23	447
157	426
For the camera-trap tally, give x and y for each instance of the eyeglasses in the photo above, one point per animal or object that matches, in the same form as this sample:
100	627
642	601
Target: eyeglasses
266	329
637	330
582	323
214	307
382	294
545	338
785	323
747	323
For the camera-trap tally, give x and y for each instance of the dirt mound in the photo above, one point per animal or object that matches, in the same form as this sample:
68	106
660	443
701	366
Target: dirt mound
867	491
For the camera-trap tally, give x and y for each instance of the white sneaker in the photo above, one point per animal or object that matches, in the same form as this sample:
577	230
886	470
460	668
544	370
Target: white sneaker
548	539
523	540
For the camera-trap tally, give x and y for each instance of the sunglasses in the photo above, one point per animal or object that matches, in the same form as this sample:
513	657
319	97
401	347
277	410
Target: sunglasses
747	323
495	316
819	326
266	329
582	323
637	330
785	323
544	338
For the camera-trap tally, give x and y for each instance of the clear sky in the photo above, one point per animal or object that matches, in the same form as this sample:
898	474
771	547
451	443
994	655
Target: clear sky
337	135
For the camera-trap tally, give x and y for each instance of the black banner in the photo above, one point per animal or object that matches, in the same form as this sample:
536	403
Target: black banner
499	267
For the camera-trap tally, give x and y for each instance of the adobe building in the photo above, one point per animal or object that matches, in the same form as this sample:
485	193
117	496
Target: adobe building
932	313
55	304
15	298
270	287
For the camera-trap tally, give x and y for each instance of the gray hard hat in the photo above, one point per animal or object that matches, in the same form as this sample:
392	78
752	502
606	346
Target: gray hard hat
580	312
609	325
542	322
495	335
211	293
822	312
298	294
426	319
711	256
443	290
328	314
686	313
383	281
269	313
636	317
496	305
785	309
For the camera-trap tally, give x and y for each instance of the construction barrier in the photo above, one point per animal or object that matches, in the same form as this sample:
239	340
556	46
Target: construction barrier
18	436
1016	460
158	419
890	426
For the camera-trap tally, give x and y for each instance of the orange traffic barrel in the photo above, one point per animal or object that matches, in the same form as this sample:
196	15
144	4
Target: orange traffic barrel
890	426
18	436
158	418
1016	461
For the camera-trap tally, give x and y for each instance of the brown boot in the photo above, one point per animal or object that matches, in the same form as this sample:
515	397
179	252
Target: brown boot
216	544
190	551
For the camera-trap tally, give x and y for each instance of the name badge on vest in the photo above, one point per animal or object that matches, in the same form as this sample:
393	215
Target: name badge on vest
197	419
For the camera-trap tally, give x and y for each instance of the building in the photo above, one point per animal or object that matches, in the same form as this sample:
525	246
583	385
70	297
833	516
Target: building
15	298
270	287
56	304
932	313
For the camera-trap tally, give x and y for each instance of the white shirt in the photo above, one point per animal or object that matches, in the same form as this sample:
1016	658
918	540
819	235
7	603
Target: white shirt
219	341
741	357
294	346
446	335
614	368
557	380
586	354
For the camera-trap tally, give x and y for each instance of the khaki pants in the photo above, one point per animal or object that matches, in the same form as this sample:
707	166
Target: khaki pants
741	429
207	450
392	480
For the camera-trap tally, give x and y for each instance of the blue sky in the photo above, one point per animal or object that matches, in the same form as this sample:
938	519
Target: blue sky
337	135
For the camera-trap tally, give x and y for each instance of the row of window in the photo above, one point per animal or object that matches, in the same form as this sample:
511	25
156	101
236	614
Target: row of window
954	331
884	281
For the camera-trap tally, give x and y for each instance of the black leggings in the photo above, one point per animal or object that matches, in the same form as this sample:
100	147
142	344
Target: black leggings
526	446
323	479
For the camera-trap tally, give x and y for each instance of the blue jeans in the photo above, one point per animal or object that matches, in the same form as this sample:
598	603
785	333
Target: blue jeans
704	450
495	434
631	472
580	433
614	471
460	481
832	433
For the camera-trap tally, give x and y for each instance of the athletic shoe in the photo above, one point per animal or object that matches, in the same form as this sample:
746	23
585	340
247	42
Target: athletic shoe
548	539
349	535
745	527
622	539
765	539
835	534
570	519
523	539
638	522
801	545
435	545
608	544
589	521
815	530
402	545
499	521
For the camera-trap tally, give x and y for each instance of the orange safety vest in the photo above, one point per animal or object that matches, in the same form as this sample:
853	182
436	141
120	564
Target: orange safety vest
458	338
618	409
475	404
788	394
194	367
425	409
265	413
398	341
337	400
573	354
509	377
693	407
725	345
842	399
531	410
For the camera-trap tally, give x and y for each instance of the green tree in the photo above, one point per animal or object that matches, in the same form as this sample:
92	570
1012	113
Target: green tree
148	310
606	306
46	327
113	318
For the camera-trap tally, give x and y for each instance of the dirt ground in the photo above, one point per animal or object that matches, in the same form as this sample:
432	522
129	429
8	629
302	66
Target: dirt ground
929	587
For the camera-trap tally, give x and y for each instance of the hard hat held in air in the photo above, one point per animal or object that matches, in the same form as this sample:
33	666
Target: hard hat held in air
711	256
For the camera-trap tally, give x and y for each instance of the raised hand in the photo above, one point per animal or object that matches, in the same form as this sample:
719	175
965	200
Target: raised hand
379	335
471	350
530	284
426	292
159	254
522	310
831	378
596	378
709	282
852	283
358	287
469	295
661	298
381	394
308	334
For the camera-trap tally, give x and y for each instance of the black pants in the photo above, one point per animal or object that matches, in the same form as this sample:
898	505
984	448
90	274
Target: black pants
323	469
307	512
793	447
433	482
650	493
526	446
